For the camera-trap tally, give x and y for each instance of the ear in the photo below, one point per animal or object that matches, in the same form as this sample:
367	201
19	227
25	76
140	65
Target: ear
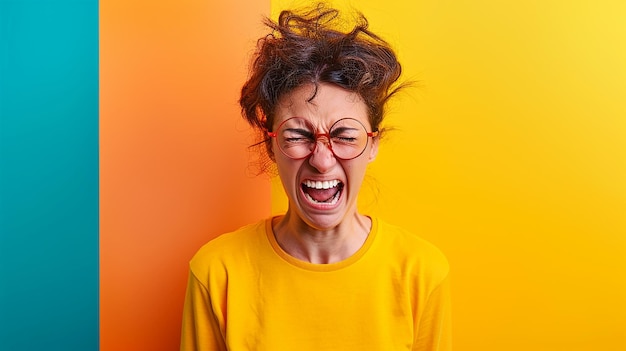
269	147
373	149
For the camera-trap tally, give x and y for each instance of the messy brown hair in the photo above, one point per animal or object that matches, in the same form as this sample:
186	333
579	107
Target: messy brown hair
309	47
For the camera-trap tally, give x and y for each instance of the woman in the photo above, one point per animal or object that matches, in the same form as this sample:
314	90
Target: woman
322	276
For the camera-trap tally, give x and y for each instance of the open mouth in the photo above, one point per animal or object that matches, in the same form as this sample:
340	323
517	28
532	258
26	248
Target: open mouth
322	192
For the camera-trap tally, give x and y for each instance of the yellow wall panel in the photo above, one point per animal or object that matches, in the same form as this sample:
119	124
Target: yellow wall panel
510	155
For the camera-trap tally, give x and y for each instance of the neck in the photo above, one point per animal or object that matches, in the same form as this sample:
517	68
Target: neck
321	246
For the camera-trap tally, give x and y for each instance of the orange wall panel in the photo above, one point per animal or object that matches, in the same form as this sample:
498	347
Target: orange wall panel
174	165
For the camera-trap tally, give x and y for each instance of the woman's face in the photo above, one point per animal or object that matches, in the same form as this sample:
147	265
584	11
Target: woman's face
301	178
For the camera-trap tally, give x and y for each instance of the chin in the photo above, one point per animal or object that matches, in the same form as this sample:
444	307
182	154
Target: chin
323	218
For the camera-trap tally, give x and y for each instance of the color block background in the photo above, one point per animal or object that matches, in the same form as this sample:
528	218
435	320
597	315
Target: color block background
48	175
173	155
510	156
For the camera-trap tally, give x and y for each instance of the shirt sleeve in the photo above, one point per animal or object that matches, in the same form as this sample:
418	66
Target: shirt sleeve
200	328
434	329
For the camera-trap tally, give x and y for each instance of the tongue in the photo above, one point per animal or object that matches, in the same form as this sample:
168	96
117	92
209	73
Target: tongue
321	195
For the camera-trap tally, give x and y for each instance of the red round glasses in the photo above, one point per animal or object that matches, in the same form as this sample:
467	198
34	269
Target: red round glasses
297	138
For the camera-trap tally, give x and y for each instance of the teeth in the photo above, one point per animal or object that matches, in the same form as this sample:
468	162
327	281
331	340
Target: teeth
327	184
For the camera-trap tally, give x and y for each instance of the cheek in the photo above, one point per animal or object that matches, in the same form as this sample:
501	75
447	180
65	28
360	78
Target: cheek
287	170
355	171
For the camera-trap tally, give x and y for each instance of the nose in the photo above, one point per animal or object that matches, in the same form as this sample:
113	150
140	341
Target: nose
322	157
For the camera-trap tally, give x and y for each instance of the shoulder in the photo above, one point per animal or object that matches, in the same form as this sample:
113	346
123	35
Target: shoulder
413	251
230	248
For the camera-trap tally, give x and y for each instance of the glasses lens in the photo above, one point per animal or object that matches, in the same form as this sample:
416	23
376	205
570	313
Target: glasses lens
348	138
296	137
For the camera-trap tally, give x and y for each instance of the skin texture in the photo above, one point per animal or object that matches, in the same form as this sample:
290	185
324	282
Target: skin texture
322	233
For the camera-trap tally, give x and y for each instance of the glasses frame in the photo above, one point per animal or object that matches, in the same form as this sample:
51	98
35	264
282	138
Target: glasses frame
328	141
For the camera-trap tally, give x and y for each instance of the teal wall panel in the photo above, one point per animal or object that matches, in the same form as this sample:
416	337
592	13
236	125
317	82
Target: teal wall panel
49	175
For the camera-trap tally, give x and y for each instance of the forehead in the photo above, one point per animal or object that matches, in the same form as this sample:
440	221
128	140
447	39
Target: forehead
322	107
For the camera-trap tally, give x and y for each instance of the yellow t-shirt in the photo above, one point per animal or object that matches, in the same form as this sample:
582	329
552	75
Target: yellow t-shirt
246	293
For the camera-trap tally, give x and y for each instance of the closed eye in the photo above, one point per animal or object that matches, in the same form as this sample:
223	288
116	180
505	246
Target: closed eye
295	135
297	140
345	135
345	139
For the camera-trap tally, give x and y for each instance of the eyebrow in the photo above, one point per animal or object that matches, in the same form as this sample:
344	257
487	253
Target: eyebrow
342	129
298	130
